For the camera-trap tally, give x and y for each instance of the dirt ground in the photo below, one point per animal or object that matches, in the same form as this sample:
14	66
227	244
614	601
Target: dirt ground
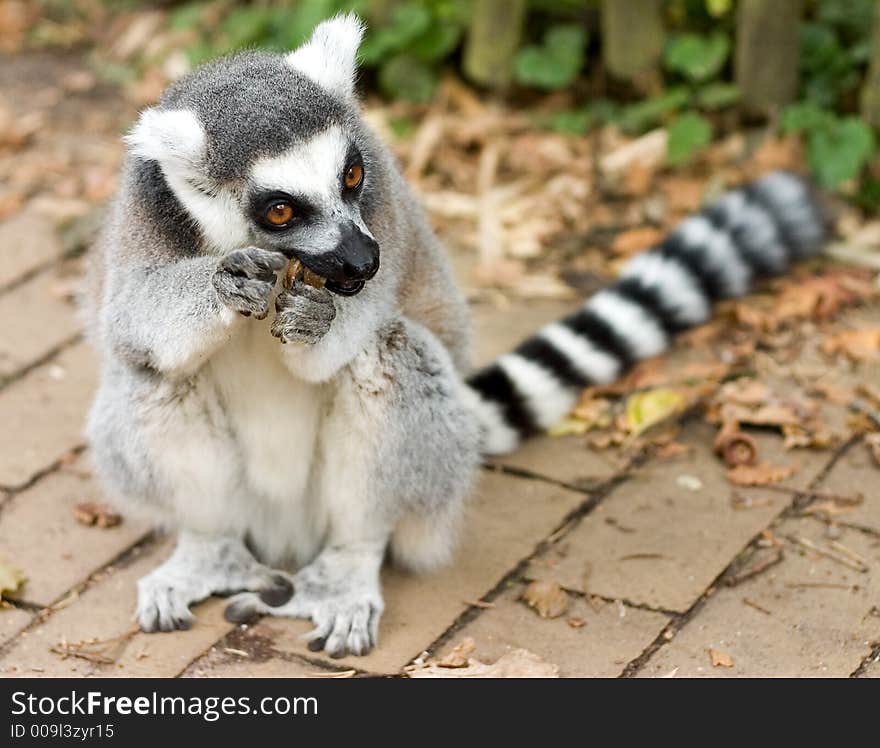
655	564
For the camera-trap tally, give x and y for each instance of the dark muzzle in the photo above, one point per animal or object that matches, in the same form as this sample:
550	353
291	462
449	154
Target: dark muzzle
350	265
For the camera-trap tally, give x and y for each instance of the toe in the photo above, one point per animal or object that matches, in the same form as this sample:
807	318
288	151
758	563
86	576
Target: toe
278	592
242	609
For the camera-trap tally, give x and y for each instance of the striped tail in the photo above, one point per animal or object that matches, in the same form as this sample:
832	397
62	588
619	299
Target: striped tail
755	231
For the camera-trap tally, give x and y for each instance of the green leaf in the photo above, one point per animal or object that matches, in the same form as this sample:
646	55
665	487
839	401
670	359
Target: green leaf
554	64
718	8
717	95
688	133
805	116
409	78
437	43
698	58
408	22
573	121
650	112
838	153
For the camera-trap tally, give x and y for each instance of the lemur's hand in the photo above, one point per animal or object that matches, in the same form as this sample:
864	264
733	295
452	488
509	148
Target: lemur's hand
304	314
244	279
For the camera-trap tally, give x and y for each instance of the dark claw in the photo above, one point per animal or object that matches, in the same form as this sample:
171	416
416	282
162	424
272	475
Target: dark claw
240	613
245	313
316	645
279	593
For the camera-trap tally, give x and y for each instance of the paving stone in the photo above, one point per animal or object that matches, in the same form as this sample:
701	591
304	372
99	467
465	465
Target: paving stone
873	670
508	516
39	532
819	620
12	620
498	330
245	653
856	472
43	414
566	459
104	612
611	637
27	241
36	321
656	542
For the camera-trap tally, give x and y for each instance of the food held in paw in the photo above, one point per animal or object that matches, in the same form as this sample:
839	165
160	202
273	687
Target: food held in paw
297	271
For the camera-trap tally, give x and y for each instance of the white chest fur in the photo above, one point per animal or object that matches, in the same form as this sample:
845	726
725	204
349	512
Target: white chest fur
274	416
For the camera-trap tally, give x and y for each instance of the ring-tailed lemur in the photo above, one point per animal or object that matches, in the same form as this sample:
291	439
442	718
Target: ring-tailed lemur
361	434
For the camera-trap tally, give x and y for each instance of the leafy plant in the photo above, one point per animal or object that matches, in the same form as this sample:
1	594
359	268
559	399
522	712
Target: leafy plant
556	62
698	58
838	147
687	134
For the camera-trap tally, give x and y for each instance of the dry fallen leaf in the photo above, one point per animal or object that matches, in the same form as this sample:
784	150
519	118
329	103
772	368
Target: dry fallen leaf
459	655
91	513
520	663
759	475
873	442
859	345
547	598
719	658
636	240
11	578
576	623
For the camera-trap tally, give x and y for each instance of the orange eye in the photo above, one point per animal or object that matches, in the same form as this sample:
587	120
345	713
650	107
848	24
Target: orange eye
354	176
279	214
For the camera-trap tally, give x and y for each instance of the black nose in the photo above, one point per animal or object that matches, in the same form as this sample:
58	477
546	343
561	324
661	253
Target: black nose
347	267
356	255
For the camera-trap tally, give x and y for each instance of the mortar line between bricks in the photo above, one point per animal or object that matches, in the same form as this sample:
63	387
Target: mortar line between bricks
120	560
596	496
10	491
285	656
679	621
588	486
28	275
21	373
872	657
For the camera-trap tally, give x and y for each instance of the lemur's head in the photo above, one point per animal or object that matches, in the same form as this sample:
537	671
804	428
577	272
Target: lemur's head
269	149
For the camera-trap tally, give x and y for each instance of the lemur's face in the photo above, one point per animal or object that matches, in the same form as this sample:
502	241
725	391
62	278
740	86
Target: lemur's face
269	150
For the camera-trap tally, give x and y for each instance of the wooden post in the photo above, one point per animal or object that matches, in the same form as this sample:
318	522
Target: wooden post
493	39
632	41
870	102
767	53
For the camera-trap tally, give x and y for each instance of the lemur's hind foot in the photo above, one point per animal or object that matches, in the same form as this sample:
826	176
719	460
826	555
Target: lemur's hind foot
339	592
198	568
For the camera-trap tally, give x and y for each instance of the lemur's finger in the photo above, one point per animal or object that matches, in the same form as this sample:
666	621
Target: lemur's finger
280	591
336	645
242	609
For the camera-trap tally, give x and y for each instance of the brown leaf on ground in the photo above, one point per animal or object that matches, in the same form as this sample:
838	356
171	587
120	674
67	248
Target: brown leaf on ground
719	658
547	598
759	475
91	513
576	623
873	442
819	297
520	663
633	241
858	345
459	655
777	152
11	578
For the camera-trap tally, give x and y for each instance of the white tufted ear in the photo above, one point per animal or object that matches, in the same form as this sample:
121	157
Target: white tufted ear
329	56
173	137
